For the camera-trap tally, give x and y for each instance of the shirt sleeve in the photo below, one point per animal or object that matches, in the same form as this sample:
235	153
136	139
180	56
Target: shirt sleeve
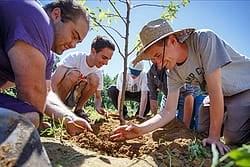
212	50
71	60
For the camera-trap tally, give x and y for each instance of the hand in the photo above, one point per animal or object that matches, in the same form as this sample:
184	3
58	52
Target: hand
125	132
101	111
76	125
221	146
140	117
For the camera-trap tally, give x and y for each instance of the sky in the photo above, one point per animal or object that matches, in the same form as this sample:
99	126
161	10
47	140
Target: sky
230	19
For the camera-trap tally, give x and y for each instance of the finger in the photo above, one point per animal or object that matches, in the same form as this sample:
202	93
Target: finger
102	110
83	124
227	148
204	142
117	137
130	127
120	128
221	149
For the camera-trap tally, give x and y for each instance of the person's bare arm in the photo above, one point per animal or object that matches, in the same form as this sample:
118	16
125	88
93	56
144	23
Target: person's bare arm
153	106
216	102
134	130
8	85
28	65
214	85
119	101
164	117
98	103
57	78
57	110
143	103
98	99
48	83
188	109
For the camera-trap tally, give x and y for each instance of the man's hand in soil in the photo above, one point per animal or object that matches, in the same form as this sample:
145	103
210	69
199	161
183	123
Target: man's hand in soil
220	146
76	125
125	132
101	111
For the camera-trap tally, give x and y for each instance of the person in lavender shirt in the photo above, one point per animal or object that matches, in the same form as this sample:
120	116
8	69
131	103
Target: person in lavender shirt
28	37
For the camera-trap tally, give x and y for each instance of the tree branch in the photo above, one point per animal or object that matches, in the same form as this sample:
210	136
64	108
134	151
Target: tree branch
151	5
113	30
117	12
102	27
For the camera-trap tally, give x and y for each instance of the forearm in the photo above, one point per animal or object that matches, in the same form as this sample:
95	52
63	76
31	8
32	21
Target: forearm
8	85
153	106
216	116
164	117
216	103
54	87
119	102
188	109
159	120
34	94
143	103
56	109
98	102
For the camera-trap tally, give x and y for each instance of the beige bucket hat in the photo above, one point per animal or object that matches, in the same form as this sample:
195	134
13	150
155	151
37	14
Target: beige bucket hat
156	30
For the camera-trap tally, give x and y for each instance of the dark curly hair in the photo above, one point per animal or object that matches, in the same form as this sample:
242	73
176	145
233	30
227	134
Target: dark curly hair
70	10
101	42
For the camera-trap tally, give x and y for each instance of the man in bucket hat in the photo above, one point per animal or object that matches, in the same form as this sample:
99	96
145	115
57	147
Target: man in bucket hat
136	90
200	58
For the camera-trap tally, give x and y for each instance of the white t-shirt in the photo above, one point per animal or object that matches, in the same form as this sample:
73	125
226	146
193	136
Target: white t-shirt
133	85
78	61
206	53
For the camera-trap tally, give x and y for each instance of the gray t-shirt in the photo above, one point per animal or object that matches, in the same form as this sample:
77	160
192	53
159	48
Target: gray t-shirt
206	53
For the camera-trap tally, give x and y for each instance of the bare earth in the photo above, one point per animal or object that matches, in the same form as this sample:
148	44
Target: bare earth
167	146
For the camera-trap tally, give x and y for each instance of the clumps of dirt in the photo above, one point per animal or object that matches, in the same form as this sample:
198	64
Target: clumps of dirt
5	156
166	144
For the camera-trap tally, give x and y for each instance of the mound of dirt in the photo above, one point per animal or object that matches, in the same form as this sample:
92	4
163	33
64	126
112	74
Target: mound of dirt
165	146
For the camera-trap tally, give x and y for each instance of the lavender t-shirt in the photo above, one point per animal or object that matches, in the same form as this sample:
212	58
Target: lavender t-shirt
26	21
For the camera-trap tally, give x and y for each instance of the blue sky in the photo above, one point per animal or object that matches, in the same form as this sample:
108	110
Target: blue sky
228	18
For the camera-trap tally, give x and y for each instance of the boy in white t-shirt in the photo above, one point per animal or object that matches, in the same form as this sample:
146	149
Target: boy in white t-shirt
78	76
136	90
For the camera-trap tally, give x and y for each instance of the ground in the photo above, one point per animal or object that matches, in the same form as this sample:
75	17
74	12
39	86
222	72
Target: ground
167	146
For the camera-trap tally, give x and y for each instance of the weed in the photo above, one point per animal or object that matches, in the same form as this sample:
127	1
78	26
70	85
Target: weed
197	151
56	130
169	154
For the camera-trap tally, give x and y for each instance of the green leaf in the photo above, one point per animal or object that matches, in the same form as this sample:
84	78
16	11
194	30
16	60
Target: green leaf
243	162
238	154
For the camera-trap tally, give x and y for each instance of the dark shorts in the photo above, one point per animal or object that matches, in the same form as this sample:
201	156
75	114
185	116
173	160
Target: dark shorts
12	103
236	123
